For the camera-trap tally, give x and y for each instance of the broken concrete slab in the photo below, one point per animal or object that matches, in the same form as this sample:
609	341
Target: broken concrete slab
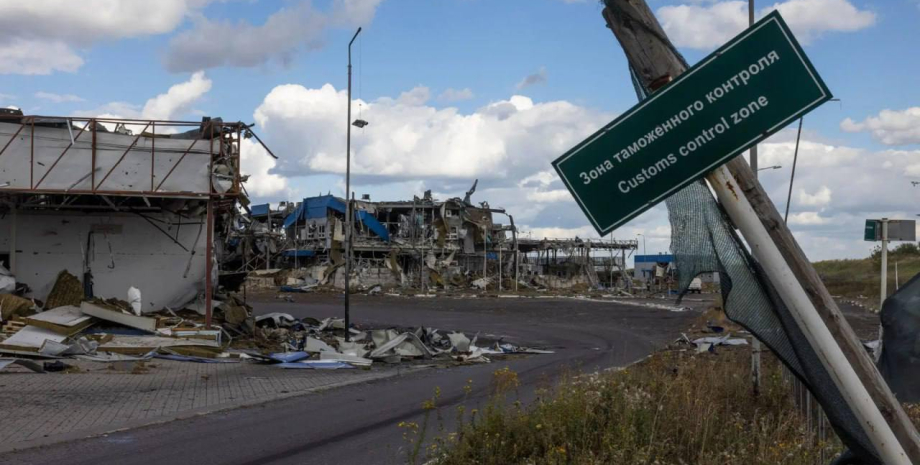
31	339
116	316
67	320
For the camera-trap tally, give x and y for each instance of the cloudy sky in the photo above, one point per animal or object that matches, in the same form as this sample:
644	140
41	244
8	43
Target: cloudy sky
456	90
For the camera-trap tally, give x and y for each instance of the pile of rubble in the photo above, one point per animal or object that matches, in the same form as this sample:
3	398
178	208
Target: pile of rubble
307	342
69	326
101	331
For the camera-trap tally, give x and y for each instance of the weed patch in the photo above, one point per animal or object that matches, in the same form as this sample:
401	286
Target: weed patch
676	407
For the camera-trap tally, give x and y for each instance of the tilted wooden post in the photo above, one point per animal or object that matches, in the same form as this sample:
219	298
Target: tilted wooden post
654	61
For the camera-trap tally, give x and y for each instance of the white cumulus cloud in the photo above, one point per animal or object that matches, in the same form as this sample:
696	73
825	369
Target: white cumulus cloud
807	219
555	195
709	26
30	56
415	97
820	198
256	163
703	27
506	140
890	127
42	37
170	105
178	99
296	27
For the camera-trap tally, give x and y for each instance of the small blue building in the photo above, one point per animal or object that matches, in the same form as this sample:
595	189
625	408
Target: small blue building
645	265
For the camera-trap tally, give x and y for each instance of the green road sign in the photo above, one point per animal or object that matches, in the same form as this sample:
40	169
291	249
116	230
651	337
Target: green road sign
743	92
898	230
873	231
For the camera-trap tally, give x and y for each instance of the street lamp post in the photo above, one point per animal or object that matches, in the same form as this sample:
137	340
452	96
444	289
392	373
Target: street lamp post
349	216
774	167
644	253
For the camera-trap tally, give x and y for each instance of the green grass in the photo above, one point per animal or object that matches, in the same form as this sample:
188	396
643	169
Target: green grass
860	279
676	407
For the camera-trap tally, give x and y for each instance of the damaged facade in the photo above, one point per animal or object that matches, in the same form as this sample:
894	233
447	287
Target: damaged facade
424	243
118	204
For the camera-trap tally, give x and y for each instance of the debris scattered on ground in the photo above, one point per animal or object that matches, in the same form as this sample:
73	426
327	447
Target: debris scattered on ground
114	315
66	320
708	344
31	338
113	331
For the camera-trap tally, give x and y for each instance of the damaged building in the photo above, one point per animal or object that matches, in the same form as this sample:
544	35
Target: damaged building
424	243
118	204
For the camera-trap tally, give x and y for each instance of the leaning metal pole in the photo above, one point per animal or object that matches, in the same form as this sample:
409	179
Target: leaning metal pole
756	347
349	216
798	285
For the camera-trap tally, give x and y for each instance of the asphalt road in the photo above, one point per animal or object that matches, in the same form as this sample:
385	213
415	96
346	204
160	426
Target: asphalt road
358	423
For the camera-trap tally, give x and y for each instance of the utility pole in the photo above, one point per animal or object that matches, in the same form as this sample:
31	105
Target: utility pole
755	343
883	293
349	215
893	436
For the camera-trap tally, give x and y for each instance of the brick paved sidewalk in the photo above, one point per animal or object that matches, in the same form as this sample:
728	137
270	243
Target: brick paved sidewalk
37	409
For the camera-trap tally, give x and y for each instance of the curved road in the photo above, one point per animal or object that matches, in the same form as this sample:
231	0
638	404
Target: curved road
358	423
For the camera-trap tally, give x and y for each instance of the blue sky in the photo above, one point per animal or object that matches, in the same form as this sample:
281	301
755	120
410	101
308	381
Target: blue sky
438	80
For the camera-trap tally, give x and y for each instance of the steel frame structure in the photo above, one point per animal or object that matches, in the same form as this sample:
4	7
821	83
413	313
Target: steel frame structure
228	137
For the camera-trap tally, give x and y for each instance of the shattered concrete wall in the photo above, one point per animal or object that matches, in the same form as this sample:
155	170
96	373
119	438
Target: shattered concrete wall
562	282
367	277
124	250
